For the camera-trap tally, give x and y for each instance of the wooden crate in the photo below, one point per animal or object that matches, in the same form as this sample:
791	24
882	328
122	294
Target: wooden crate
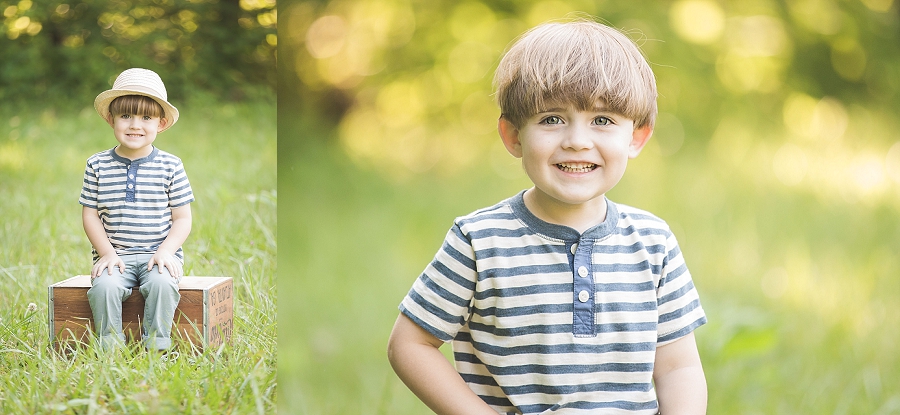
204	315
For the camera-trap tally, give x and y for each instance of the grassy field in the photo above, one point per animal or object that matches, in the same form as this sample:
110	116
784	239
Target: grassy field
799	286
229	151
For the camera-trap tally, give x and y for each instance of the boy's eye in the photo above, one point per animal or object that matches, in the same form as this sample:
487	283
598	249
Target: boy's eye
602	121
552	120
146	118
126	116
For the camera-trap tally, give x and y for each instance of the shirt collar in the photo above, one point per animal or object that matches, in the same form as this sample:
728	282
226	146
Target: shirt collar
561	232
149	157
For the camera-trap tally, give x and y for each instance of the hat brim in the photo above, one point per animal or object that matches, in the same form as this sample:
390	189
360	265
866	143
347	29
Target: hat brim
101	104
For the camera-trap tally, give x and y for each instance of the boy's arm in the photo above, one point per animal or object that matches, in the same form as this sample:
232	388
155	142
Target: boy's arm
679	379
414	355
178	233
95	232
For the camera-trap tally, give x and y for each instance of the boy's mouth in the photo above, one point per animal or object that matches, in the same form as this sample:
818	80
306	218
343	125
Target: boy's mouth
576	167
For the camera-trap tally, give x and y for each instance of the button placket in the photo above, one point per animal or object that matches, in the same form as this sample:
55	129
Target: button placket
583	290
131	182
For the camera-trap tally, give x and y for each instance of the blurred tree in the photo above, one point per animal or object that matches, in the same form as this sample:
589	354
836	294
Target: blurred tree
58	49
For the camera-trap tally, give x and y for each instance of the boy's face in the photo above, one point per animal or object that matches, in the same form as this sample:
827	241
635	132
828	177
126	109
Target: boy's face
135	133
574	157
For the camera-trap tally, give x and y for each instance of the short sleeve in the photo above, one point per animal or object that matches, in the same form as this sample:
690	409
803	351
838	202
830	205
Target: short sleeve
439	301
180	192
678	303
89	186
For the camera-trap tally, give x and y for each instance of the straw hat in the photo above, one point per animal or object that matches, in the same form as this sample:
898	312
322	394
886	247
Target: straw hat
137	81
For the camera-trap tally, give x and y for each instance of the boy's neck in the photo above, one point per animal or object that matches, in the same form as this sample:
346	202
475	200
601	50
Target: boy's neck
133	154
580	217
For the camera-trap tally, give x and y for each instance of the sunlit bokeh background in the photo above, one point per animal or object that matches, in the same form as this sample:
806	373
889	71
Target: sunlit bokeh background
776	160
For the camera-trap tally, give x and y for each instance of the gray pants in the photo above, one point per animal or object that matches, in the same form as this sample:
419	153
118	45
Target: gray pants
160	291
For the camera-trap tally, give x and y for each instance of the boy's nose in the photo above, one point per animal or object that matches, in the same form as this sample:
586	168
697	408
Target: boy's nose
576	138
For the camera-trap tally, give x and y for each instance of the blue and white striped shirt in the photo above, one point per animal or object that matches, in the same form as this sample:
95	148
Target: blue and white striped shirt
134	198
545	320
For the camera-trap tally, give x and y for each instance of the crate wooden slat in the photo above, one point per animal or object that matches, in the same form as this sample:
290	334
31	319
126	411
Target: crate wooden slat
204	315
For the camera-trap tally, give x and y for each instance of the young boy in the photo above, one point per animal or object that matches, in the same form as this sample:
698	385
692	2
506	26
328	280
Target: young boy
136	211
558	300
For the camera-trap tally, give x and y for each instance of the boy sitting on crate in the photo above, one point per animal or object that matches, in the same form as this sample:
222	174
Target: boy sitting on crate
136	211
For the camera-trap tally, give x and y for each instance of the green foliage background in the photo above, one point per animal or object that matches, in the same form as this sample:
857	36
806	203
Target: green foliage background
60	49
776	160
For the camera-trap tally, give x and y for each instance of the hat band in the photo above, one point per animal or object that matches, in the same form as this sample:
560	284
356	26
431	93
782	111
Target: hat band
142	89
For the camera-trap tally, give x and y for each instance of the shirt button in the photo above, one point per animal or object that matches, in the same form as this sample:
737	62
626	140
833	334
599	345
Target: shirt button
130	186
130	176
584	296
582	271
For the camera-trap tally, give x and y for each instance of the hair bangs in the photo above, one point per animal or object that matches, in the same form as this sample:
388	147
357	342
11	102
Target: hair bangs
136	105
578	64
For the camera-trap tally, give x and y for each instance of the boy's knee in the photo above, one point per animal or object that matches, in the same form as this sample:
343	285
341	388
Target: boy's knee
159	278
106	285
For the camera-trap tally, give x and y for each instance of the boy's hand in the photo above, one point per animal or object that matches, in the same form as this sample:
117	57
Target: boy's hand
108	261
162	259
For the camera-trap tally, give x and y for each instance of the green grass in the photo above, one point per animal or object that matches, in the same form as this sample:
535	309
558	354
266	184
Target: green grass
800	289
229	153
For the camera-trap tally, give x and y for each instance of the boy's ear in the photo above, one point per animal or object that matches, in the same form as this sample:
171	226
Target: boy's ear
510	136
109	120
163	122
639	139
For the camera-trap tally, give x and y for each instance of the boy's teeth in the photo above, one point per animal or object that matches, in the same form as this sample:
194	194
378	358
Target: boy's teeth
576	167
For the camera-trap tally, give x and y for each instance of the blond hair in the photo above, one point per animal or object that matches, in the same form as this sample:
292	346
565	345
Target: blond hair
579	63
136	105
